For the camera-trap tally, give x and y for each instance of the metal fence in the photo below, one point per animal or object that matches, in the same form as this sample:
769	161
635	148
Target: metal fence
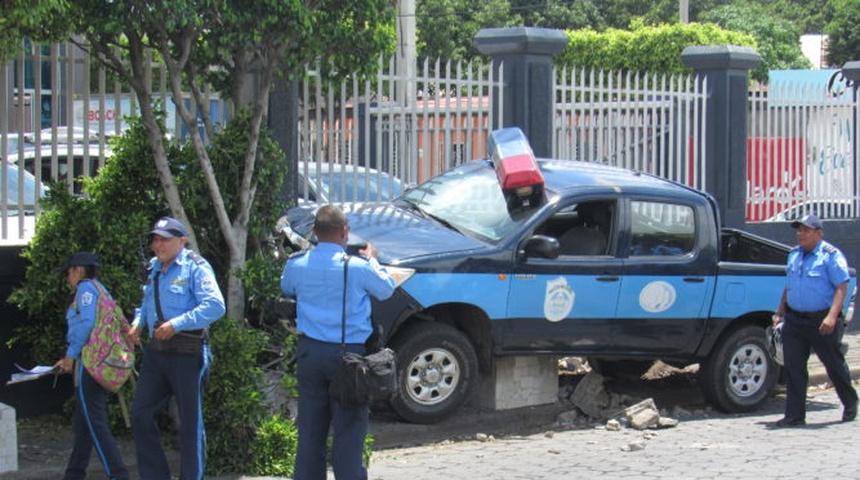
647	122
800	154
409	128
365	140
59	110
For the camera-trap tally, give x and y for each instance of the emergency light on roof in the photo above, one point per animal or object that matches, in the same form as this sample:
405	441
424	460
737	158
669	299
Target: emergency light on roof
515	165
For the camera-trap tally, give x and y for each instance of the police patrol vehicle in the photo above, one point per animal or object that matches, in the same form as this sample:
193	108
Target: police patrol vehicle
514	255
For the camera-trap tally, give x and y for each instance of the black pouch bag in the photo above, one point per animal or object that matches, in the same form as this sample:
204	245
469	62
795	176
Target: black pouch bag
362	379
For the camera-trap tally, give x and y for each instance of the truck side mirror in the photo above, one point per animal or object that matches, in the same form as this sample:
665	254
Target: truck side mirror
542	246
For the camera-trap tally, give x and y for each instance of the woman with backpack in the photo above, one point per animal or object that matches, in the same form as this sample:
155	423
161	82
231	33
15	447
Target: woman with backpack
91	426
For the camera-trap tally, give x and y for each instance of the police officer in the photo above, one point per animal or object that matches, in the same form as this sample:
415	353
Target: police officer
811	307
91	425
315	279
180	299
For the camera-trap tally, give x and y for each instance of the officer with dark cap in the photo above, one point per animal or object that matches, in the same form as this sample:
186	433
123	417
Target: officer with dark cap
181	299
811	311
91	425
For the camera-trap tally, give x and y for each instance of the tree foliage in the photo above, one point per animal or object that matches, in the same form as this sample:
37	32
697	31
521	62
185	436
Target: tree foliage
23	19
446	28
239	48
778	39
109	221
844	45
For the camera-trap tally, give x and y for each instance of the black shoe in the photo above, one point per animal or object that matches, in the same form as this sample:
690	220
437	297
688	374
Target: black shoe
786	422
850	413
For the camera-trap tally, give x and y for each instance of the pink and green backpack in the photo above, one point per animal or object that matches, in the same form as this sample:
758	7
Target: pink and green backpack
108	356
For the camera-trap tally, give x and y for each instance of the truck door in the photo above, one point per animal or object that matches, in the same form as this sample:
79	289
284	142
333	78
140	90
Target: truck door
566	304
668	278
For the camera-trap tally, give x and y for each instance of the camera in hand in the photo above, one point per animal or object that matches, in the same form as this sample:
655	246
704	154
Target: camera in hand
354	248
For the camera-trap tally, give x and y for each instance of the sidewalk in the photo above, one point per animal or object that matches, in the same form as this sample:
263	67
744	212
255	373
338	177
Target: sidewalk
49	463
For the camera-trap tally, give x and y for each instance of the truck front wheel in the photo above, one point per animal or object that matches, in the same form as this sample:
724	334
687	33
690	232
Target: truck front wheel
739	375
436	368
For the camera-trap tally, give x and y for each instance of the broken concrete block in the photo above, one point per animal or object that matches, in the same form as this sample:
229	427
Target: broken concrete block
590	396
643	415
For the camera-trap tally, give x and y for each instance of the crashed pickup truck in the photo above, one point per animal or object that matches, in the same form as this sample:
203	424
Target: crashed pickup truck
513	255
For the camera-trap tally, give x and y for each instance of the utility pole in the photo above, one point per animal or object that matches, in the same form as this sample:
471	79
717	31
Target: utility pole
684	11
406	63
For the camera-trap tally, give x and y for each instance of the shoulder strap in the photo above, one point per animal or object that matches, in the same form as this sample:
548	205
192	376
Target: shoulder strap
343	312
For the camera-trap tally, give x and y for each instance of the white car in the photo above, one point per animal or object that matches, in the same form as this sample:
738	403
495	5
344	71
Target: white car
15	207
77	160
825	209
333	182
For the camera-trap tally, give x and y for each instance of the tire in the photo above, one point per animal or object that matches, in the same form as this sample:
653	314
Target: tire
436	369
740	374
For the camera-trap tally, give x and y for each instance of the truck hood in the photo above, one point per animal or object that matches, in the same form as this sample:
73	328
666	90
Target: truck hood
397	234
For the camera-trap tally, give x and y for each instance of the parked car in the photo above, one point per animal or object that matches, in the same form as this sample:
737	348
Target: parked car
63	135
513	256
66	160
322	182
825	209
333	182
13	140
17	184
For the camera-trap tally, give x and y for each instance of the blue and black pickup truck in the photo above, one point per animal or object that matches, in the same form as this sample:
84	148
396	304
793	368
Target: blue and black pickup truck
513	255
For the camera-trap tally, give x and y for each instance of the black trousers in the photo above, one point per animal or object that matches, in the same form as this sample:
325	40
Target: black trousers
799	338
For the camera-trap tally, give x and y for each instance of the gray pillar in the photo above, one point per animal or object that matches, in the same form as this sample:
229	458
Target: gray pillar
851	71
726	68
283	121
526	53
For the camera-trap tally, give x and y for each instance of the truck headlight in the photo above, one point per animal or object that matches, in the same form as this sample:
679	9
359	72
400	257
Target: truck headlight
399	274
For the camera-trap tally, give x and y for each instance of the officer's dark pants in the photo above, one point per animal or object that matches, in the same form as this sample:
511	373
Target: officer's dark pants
799	336
92	431
317	365
164	374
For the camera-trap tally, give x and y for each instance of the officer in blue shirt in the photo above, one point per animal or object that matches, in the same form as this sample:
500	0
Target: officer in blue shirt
811	309
180	299
315	279
91	425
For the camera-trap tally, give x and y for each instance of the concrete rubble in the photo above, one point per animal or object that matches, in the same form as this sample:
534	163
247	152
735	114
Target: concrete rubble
591	398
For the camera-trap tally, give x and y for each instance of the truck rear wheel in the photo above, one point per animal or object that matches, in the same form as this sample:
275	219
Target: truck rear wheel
739	375
436	368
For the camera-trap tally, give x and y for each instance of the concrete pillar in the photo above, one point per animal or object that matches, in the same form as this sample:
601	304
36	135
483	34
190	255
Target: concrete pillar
526	54
8	439
283	122
727	69
851	71
516	382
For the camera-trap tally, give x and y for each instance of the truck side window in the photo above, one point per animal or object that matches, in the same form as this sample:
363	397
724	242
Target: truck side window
582	228
661	229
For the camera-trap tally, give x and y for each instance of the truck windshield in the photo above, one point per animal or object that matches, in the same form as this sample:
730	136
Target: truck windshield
467	199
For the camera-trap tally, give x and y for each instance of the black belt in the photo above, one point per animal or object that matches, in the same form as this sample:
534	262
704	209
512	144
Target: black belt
816	315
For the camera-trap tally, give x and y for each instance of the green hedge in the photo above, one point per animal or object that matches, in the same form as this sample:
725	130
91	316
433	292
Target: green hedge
645	48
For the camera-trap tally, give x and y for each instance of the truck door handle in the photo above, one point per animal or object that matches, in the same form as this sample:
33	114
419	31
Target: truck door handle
694	279
610	278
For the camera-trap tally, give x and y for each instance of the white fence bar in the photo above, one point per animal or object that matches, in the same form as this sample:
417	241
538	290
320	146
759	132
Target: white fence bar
57	113
444	124
648	122
801	155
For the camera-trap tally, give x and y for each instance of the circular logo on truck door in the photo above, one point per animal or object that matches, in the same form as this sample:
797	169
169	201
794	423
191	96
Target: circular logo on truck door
558	301
657	297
